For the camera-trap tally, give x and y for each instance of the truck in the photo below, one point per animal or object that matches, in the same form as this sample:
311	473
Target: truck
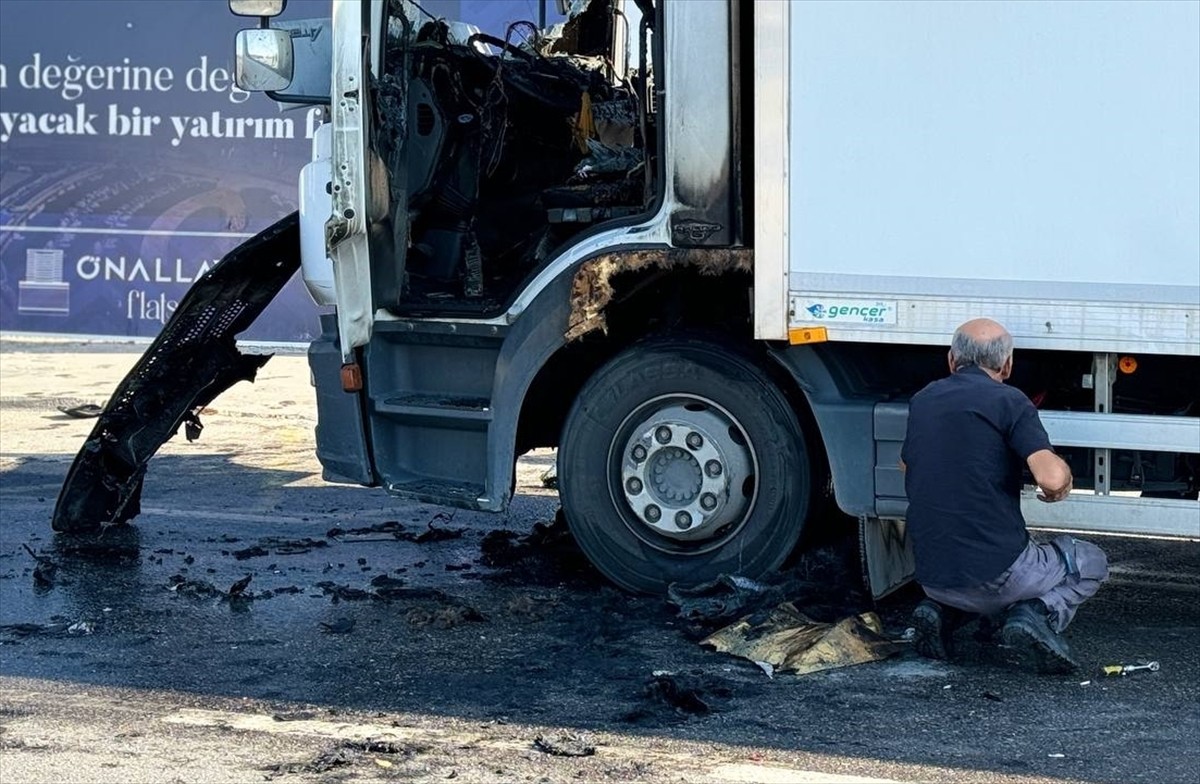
707	250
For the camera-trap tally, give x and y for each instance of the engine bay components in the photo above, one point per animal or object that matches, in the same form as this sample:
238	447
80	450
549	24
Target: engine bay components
502	150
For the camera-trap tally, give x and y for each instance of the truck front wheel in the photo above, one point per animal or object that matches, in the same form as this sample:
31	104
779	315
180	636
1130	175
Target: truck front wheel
681	460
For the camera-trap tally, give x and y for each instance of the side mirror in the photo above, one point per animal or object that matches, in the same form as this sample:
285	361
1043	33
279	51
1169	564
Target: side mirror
257	7
263	60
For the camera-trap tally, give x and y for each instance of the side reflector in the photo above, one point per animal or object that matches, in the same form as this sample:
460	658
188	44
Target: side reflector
352	379
808	335
1127	365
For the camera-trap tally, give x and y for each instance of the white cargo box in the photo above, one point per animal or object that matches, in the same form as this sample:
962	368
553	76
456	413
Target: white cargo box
922	163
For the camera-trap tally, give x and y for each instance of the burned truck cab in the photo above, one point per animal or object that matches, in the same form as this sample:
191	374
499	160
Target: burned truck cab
508	208
495	164
512	225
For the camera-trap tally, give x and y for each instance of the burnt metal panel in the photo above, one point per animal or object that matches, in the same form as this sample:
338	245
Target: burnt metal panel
698	107
194	359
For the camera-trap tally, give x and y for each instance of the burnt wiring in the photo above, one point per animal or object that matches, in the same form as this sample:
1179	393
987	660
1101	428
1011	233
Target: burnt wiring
496	96
492	161
495	99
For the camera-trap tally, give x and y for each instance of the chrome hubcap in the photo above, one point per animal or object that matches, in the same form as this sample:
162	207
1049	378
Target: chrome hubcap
685	468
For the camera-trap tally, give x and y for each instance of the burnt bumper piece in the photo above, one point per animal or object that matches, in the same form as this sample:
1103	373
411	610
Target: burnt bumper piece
194	359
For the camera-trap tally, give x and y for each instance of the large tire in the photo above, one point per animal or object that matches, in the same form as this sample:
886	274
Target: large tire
674	427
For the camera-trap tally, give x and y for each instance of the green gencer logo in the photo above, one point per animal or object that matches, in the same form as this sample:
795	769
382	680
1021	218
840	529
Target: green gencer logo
835	311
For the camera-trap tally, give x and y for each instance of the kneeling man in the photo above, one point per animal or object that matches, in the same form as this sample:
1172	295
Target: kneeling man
969	439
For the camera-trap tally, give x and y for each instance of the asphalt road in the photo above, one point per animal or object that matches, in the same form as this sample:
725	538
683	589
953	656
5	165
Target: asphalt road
364	648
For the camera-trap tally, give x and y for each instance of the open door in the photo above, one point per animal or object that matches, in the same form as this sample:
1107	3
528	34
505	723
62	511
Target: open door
346	230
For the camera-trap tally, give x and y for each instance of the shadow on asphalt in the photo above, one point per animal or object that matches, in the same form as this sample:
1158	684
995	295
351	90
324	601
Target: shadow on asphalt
352	604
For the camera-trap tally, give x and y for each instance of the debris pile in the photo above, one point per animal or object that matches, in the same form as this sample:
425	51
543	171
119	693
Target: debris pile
671	697
548	555
394	530
564	744
817	582
350	752
788	640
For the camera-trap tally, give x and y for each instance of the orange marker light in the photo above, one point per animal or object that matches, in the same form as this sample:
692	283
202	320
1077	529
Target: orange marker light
798	335
1127	365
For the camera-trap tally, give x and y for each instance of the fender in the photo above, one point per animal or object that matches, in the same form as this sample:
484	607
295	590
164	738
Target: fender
532	340
194	359
846	424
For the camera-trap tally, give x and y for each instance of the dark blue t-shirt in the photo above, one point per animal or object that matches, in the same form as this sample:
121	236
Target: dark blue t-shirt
965	452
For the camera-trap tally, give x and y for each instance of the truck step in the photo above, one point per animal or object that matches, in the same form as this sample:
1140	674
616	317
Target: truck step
440	491
438	411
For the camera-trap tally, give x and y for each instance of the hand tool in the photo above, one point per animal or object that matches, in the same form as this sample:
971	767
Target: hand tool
1124	669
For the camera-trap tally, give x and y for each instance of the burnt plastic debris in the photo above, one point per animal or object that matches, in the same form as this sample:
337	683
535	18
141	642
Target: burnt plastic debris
82	411
278	546
239	588
45	570
669	697
342	593
338	626
565	744
547	555
394	529
57	628
722	599
789	640
386	585
193	360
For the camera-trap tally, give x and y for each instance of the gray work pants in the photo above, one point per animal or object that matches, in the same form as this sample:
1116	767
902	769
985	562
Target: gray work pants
1063	574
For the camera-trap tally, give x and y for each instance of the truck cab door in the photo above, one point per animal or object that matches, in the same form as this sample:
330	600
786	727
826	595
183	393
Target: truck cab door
346	237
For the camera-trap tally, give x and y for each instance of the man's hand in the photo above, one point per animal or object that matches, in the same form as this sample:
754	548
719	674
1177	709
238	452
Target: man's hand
1052	475
1048	497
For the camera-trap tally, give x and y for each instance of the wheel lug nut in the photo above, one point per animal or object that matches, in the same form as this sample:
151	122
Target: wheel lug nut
634	485
708	501
695	440
653	513
639	453
663	435
713	468
683	520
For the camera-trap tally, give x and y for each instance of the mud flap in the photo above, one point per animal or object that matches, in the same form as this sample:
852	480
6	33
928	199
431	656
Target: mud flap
194	359
887	555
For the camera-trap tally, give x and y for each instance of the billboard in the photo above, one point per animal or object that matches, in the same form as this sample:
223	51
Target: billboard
130	162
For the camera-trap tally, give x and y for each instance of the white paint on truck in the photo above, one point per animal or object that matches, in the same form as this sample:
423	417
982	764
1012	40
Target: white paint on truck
1036	162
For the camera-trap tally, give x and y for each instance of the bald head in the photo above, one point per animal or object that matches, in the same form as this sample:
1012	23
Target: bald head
982	343
983	329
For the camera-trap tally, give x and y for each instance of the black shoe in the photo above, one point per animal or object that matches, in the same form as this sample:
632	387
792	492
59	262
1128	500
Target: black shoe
932	632
1027	634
